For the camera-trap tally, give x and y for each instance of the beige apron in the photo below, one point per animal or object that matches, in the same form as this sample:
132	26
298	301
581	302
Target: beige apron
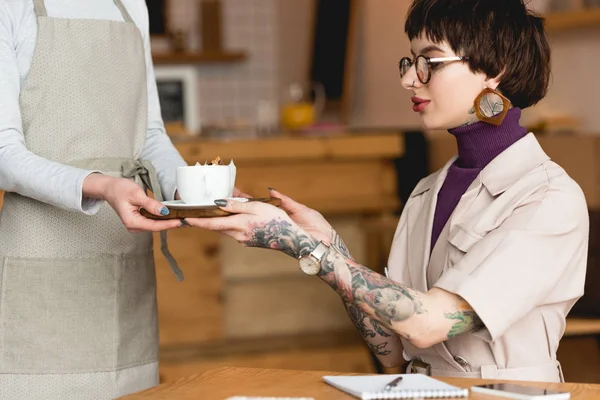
78	314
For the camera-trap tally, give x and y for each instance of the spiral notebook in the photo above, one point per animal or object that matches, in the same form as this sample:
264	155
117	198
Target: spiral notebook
412	386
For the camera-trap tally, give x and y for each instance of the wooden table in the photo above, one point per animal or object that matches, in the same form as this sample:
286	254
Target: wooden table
219	384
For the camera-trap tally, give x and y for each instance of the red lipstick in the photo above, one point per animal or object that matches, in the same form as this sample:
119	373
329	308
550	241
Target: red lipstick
419	104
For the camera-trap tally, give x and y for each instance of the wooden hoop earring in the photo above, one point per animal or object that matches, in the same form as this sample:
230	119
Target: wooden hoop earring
491	106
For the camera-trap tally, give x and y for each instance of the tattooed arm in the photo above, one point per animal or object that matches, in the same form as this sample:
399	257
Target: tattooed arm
422	318
382	341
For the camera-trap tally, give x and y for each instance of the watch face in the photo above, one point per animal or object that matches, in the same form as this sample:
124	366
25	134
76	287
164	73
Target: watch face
309	266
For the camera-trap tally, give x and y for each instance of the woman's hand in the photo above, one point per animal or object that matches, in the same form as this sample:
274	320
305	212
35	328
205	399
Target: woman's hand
306	218
262	225
126	198
238	193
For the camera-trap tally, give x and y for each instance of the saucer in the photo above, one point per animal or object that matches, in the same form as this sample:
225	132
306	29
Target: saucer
181	205
180	210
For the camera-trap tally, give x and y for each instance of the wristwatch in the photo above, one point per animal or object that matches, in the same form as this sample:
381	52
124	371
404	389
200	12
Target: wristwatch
311	264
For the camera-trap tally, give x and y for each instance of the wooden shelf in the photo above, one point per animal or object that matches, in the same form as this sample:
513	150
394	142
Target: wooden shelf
582	326
198	58
573	19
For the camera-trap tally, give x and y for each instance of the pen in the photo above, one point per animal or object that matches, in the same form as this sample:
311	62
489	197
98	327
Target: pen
392	384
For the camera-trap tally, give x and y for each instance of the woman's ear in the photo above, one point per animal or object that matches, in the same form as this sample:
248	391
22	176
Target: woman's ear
494	82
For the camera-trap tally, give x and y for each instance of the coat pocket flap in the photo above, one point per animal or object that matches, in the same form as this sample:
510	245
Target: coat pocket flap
463	239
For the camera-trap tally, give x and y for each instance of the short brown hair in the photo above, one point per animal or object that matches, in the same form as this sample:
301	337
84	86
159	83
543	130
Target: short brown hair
498	36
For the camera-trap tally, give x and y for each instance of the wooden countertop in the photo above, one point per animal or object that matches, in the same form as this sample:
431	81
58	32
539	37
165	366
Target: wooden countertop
375	144
218	384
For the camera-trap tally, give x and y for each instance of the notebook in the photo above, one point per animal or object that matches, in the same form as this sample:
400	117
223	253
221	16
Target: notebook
412	386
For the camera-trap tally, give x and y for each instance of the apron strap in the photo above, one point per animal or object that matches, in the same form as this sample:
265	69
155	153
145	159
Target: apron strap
145	170
40	8
124	11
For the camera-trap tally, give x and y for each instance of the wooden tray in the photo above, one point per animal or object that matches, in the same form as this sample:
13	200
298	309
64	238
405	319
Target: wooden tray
203	211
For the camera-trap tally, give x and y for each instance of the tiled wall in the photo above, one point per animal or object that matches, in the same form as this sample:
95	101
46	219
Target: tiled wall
231	92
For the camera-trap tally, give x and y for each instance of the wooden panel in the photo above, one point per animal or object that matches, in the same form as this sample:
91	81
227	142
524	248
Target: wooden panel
322	184
282	306
367	146
291	149
198	58
582	326
579	358
345	359
267	294
578	156
189	311
573	19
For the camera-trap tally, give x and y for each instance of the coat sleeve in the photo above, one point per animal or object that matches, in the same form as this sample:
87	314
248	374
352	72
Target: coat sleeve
536	256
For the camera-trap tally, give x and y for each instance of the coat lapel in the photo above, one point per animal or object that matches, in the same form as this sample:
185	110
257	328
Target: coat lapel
420	238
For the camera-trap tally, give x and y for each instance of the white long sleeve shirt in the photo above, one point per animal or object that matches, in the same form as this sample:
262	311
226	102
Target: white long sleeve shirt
24	172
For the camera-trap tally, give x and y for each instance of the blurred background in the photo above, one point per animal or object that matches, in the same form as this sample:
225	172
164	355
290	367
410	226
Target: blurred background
305	96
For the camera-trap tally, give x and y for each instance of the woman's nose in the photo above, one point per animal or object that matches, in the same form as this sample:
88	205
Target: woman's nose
410	79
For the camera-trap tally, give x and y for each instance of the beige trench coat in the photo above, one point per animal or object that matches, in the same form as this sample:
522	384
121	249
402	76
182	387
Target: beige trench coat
515	248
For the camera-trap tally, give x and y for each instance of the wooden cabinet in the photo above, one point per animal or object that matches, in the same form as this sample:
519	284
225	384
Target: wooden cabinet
255	305
252	307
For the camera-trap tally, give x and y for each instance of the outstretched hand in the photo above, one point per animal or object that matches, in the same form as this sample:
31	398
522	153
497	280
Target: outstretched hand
261	225
306	218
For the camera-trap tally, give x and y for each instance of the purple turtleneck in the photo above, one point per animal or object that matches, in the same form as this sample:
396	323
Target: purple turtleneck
478	144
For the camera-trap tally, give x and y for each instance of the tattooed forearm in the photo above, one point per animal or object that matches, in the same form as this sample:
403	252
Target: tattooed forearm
338	244
466	322
280	235
374	294
359	319
379	349
380	340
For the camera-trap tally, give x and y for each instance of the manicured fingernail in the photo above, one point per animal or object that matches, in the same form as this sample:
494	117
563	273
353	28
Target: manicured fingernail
184	223
221	203
164	211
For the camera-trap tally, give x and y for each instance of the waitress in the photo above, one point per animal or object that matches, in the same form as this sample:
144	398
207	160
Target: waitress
81	136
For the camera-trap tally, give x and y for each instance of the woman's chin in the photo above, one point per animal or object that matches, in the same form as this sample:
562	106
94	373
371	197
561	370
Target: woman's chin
431	125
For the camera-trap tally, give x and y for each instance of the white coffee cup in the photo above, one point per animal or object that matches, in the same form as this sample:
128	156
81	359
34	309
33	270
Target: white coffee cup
203	184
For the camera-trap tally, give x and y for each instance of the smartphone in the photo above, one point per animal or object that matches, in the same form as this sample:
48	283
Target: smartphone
513	391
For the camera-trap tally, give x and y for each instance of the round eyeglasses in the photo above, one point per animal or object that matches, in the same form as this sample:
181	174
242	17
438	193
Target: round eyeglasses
424	65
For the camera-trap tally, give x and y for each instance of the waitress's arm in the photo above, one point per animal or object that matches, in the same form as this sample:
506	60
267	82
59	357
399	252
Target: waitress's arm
22	171
158	149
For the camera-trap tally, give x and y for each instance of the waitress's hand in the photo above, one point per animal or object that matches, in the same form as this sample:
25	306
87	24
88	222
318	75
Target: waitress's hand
262	225
126	198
